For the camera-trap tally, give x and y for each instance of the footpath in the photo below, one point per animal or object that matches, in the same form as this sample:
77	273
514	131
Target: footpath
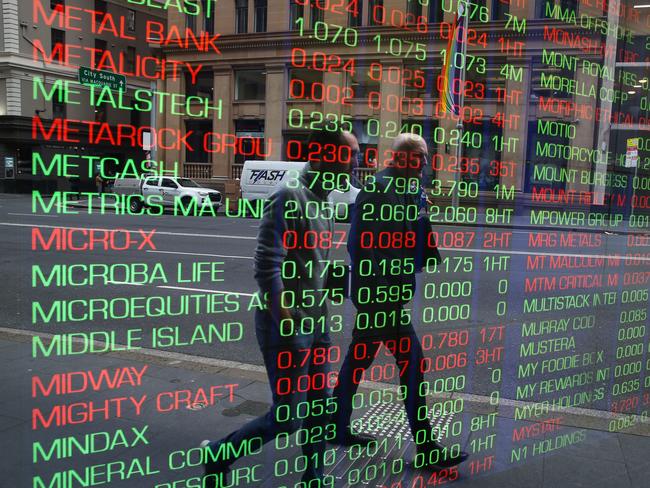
189	399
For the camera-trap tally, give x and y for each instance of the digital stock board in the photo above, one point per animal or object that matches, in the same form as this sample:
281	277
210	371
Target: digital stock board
325	243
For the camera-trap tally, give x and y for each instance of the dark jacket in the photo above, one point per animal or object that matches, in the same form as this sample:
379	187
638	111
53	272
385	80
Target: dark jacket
284	216
388	243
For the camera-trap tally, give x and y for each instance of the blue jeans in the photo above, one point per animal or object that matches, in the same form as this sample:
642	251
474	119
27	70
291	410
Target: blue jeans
408	361
267	426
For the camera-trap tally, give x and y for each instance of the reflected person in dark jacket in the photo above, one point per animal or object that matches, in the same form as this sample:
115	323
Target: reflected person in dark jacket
292	330
390	240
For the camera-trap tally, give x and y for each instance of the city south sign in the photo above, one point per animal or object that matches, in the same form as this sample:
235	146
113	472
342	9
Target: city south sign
89	76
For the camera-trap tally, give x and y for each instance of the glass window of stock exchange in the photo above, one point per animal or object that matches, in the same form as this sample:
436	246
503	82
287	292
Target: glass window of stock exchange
325	243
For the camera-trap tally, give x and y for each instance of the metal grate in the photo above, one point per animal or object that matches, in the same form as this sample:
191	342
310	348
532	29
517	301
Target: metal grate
396	423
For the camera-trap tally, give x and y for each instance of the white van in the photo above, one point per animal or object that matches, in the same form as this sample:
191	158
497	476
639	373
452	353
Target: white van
260	178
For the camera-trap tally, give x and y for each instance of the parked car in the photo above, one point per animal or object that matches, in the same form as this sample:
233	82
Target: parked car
261	178
170	189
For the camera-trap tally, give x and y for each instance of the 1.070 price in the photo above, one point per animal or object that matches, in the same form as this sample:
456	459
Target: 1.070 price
331	33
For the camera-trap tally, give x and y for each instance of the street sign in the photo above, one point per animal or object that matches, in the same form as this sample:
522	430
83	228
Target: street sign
89	76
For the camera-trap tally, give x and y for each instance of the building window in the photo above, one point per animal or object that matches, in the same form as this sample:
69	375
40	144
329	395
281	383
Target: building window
260	15
100	113
316	12
204	86
356	13
485	178
491	79
131	20
101	8
501	8
296	11
296	150
533	160
251	132
422	80
130	58
542	7
100	46
361	82
241	16
436	13
250	84
208	16
541	80
371	7
135	115
58	39
191	22
569	4
414	7
58	105
367	149
301	84
196	140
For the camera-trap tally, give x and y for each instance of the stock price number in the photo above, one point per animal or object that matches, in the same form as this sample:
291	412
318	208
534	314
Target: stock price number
315	151
457	137
333	122
385	294
400	48
467	61
397	184
312	239
454	164
301	358
391	129
397	76
388	240
395	103
310	325
387	212
459	215
319	92
340	7
331	33
474	38
466	88
464	189
402	20
319	61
